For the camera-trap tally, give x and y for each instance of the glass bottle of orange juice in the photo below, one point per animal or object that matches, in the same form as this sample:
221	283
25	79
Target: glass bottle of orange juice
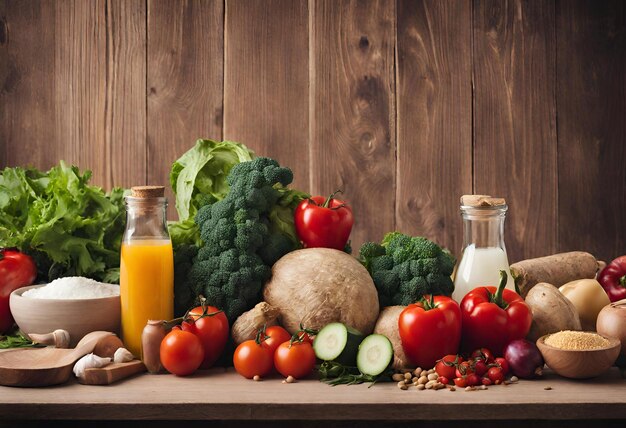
147	265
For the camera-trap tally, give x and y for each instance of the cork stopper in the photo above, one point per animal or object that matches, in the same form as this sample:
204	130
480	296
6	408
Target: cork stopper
147	191
481	201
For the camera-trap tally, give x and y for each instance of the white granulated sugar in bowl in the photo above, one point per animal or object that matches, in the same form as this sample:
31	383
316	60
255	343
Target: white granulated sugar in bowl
73	287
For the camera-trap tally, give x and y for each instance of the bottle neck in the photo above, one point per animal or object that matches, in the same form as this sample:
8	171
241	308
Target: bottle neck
483	227
146	218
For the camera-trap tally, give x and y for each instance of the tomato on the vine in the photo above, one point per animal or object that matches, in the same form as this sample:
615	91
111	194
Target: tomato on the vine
496	375
483	354
274	336
464	369
295	359
181	352
252	358
211	326
446	366
480	367
503	364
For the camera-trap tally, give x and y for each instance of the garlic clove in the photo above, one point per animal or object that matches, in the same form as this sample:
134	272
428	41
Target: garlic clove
122	355
89	361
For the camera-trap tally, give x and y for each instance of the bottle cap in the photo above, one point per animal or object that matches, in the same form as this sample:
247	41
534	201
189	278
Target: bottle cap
147	191
481	201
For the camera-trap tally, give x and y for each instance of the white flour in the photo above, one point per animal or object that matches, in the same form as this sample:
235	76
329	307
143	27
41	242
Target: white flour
73	287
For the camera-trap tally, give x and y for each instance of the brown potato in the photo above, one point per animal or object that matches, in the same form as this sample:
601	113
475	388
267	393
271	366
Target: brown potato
552	311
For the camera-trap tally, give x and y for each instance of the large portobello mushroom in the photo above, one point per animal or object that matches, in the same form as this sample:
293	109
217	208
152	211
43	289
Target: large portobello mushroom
317	286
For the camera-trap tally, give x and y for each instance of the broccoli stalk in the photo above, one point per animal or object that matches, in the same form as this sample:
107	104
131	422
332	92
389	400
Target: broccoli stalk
405	268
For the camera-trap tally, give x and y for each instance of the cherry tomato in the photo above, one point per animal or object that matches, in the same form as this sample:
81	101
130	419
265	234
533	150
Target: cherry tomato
252	359
274	336
181	352
503	364
473	379
486	381
444	380
211	327
461	382
295	359
464	369
496	375
480	367
446	366
483	354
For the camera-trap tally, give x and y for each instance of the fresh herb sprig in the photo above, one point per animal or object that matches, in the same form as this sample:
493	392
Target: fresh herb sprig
334	374
17	340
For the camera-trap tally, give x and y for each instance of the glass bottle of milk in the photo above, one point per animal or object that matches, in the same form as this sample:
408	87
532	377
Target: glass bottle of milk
484	253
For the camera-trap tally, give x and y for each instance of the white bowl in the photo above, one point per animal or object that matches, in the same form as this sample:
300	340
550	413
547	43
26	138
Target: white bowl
77	316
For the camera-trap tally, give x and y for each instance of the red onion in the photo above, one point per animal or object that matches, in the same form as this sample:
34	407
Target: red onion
524	358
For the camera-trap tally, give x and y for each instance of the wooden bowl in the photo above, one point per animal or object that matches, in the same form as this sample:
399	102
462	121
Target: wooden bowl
579	364
77	316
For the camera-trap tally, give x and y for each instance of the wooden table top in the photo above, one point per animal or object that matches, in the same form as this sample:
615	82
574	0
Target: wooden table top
224	395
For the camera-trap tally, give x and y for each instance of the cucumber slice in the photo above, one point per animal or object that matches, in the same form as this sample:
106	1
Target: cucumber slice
337	342
375	355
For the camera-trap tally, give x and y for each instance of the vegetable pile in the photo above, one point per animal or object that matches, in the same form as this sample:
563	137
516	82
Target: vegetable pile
405	268
69	227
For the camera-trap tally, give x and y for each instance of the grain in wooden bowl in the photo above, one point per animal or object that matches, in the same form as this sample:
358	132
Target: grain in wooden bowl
578	354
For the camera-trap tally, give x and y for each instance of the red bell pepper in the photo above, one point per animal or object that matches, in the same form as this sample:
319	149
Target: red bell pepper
494	317
16	270
613	279
323	222
430	329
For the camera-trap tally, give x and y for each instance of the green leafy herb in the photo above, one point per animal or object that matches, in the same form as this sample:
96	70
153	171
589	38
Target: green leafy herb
17	340
334	374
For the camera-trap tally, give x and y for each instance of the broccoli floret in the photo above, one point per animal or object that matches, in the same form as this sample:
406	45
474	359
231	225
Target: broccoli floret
404	268
241	241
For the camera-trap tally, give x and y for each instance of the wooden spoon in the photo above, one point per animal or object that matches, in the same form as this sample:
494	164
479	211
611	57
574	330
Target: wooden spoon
45	366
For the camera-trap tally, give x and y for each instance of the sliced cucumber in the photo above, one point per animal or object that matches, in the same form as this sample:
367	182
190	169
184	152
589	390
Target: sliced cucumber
337	342
375	355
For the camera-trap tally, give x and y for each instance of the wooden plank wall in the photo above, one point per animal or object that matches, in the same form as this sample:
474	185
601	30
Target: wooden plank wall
403	104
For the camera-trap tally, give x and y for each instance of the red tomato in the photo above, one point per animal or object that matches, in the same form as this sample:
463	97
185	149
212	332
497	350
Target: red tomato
211	327
446	366
483	354
503	363
496	375
16	270
486	381
480	368
274	336
181	352
323	222
464	369
252	359
461	382
430	329
295	359
473	379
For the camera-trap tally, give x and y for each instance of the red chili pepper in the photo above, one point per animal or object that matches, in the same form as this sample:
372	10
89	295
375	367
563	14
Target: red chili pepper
493	317
16	270
324	222
613	279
